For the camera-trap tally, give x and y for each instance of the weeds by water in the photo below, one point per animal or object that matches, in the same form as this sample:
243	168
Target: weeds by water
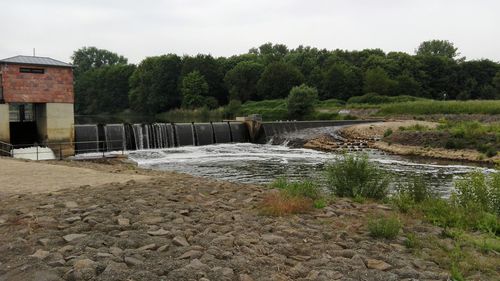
354	176
293	197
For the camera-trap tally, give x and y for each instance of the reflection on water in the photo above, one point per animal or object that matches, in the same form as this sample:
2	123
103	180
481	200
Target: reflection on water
260	164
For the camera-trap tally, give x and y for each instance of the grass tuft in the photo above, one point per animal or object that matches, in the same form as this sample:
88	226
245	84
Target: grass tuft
384	227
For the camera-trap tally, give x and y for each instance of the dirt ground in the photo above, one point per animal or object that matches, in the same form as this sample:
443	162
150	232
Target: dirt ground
19	176
171	226
377	130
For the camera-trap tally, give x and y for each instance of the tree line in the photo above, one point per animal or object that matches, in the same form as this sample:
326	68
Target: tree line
106	82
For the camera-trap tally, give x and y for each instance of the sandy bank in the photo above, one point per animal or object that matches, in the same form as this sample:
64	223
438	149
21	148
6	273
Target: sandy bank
19	176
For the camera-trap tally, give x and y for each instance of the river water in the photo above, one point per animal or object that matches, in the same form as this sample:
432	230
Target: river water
262	163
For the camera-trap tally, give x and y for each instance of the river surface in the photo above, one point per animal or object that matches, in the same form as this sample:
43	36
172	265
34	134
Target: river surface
262	163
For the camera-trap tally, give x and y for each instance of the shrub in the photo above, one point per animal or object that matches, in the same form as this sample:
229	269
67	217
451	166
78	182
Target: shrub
354	176
387	132
385	227
232	109
412	241
478	191
409	194
280	204
300	102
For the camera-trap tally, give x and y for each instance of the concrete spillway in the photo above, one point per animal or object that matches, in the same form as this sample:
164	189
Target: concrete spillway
113	137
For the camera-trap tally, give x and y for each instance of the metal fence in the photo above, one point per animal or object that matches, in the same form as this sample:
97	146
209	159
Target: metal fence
5	149
57	150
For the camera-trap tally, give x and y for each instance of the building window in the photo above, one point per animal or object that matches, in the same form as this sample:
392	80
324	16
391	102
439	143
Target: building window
32	70
21	112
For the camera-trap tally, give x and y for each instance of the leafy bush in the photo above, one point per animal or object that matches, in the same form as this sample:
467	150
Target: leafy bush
478	191
300	102
385	227
232	109
409	194
387	132
354	176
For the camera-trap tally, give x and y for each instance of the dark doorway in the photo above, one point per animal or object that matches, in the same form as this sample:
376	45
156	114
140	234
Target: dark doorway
23	127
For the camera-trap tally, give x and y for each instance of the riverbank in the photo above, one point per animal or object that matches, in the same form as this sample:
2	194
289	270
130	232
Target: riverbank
173	226
373	136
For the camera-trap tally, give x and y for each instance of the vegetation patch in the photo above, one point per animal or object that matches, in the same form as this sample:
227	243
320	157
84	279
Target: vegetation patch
483	137
293	198
384	227
355	176
425	107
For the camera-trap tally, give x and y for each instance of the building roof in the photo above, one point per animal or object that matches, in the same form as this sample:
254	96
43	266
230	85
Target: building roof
32	60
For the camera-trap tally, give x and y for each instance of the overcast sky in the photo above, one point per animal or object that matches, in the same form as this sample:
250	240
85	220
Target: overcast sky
141	28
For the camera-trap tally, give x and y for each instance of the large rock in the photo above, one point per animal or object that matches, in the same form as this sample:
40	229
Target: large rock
180	241
84	269
73	237
377	264
40	254
114	272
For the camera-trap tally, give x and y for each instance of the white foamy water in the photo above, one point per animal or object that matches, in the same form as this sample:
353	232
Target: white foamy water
257	163
34	153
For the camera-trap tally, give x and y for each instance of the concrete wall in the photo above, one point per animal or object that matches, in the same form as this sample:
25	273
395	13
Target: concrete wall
55	85
60	122
59	126
4	123
41	121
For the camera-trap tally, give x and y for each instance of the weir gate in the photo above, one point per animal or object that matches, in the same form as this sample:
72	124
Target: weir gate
118	137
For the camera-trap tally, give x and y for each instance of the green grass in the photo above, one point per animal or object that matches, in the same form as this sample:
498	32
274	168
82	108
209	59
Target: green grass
384	227
372	98
424	107
269	109
306	188
192	115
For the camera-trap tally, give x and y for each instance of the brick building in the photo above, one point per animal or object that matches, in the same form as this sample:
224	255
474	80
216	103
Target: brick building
36	100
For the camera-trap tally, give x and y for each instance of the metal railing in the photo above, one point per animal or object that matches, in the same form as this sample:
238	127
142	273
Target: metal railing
5	149
57	149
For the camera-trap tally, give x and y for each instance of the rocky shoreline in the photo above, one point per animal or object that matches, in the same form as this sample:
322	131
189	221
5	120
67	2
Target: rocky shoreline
178	227
358	137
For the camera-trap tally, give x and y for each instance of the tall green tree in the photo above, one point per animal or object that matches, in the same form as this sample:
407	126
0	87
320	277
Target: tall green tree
153	85
87	58
212	71
300	102
194	89
103	89
241	81
496	84
377	81
442	48
341	81
278	79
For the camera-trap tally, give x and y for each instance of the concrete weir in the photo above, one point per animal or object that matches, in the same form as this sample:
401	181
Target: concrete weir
113	137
